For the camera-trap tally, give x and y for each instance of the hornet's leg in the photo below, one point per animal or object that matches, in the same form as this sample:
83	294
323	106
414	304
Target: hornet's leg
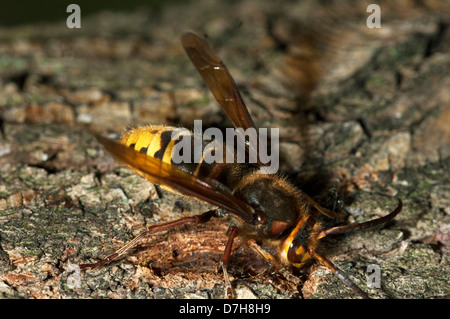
224	261
339	273
202	218
345	229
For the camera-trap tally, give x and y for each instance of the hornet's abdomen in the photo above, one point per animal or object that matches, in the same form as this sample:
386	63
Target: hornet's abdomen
154	141
159	142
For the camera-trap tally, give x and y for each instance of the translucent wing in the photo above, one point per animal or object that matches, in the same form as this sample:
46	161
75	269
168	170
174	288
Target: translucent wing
221	84
161	173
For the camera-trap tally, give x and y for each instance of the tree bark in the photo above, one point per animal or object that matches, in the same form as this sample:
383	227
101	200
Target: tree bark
364	121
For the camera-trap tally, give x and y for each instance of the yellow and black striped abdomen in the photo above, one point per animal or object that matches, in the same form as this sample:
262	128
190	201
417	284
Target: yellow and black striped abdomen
159	142
154	141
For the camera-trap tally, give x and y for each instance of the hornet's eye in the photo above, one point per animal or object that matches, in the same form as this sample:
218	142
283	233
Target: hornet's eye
279	226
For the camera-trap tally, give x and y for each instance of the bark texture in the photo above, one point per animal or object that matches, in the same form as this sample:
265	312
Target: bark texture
363	114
